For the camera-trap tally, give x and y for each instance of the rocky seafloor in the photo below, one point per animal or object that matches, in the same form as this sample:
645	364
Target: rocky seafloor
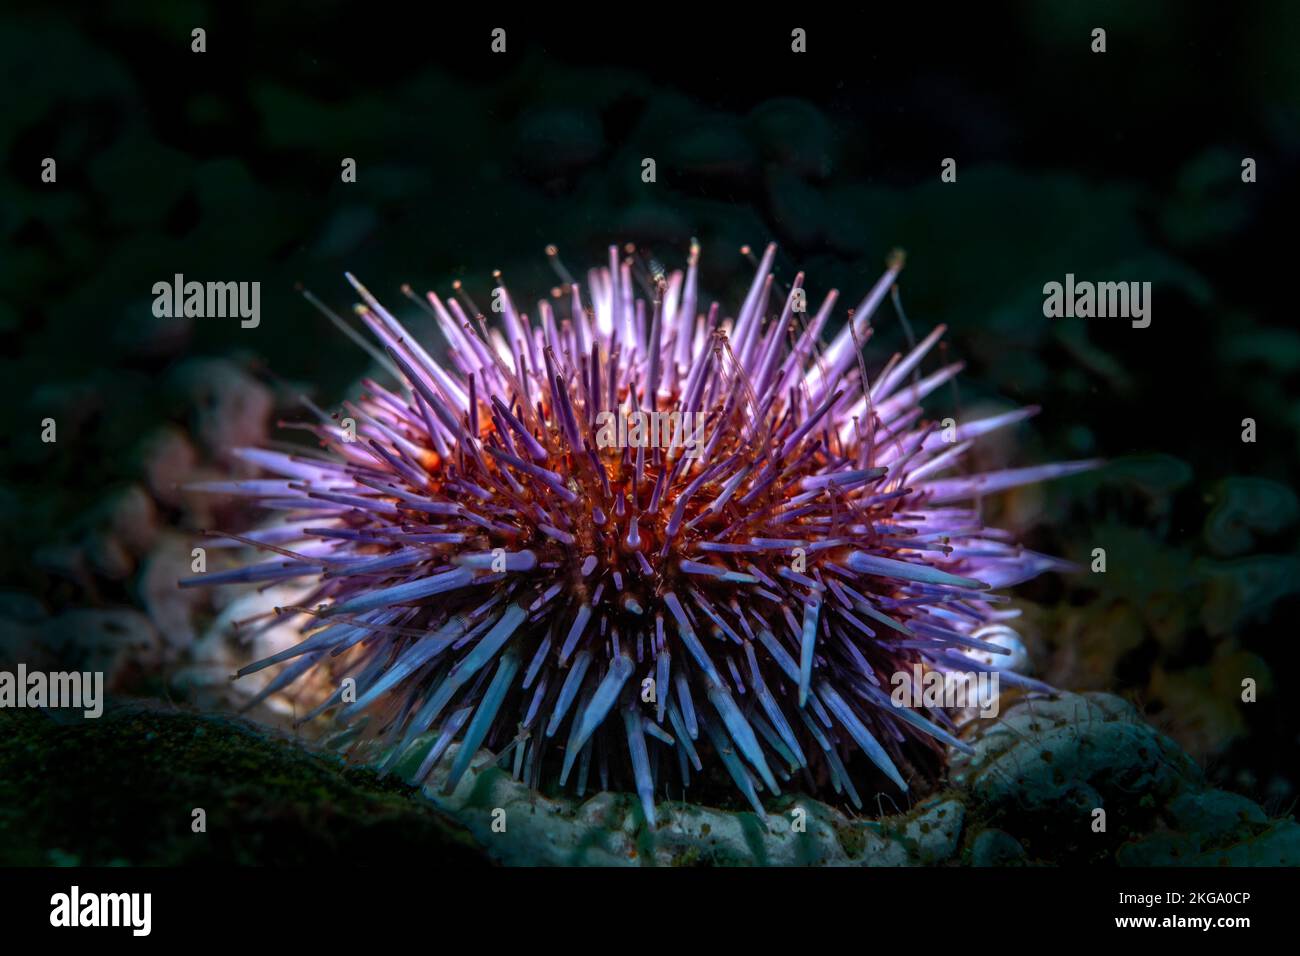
124	789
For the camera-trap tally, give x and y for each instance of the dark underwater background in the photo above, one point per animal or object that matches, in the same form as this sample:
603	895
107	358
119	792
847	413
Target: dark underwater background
225	165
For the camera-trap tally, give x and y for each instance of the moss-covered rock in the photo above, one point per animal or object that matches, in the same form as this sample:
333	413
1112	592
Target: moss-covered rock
123	790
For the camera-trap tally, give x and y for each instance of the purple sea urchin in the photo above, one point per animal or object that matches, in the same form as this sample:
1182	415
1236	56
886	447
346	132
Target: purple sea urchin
488	558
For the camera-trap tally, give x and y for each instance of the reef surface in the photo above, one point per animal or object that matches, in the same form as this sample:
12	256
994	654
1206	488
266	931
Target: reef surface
122	790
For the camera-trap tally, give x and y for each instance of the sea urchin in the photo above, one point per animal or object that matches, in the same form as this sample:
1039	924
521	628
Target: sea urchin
734	571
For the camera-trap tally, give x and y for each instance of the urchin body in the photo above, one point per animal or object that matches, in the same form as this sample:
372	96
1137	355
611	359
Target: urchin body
741	584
